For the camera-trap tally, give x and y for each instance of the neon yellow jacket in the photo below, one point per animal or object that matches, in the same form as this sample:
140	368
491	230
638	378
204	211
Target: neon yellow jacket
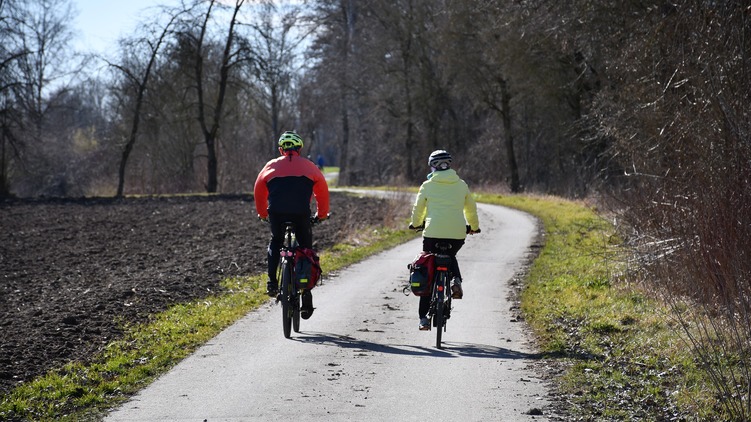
446	206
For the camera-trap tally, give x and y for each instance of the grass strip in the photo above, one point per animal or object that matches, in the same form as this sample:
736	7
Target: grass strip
621	353
83	391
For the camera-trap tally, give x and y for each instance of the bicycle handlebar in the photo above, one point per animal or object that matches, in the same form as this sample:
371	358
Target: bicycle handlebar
313	220
422	227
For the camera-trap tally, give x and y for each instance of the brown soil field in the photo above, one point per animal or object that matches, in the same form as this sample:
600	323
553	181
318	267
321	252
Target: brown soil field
73	272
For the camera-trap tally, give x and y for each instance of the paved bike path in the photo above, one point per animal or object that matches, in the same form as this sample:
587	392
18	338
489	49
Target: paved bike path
361	357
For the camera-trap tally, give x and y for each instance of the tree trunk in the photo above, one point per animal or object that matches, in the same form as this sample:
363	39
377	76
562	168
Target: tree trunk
210	133
4	188
134	127
139	102
408	141
509	140
344	178
347	8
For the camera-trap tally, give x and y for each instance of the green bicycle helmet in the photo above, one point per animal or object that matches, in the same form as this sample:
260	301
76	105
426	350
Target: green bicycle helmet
290	140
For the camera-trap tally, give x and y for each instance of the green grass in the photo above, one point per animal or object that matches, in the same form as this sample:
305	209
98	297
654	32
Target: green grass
622	354
81	391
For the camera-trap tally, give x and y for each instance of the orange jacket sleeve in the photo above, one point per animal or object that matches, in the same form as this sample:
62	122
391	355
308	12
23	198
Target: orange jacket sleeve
261	194
321	192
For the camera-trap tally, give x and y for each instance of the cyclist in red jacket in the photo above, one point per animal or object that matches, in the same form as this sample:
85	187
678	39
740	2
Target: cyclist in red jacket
283	192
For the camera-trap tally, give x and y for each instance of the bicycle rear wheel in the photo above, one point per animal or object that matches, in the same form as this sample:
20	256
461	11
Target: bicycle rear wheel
439	316
287	297
296	311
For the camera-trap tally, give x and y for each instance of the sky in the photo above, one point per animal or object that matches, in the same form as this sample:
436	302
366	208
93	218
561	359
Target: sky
101	22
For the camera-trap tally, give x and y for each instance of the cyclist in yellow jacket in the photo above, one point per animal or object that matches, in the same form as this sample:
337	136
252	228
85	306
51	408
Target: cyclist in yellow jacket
448	212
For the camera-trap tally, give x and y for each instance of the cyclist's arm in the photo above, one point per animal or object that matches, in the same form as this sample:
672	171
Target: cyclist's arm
470	212
419	208
261	195
321	192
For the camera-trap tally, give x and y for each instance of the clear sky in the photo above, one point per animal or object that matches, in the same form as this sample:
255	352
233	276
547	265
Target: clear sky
101	22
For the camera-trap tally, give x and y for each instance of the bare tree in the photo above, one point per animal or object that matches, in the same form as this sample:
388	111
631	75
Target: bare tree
275	41
46	35
336	48
36	64
139	82
210	120
10	52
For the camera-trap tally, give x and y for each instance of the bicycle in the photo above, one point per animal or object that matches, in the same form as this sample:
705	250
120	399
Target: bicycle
441	294
440	297
290	293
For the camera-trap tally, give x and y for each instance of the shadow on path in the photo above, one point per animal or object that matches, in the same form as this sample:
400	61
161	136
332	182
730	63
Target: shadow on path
450	350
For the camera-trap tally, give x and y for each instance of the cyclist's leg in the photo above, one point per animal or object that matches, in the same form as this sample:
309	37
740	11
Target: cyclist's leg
276	222
428	244
303	230
457	292
424	306
456	244
423	311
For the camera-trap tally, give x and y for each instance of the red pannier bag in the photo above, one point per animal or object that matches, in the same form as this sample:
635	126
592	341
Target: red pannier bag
307	268
421	272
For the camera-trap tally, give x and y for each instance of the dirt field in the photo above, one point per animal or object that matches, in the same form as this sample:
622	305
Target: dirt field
72	272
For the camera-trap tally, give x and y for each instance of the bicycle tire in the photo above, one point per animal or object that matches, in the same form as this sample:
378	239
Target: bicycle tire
439	316
296	312
287	290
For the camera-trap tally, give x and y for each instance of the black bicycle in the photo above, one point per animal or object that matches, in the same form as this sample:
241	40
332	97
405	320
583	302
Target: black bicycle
440	297
289	294
441	293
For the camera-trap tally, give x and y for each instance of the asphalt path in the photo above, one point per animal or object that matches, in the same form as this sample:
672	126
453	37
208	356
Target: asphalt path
361	356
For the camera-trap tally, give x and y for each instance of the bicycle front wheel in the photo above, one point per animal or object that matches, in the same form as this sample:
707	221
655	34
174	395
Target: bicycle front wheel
287	297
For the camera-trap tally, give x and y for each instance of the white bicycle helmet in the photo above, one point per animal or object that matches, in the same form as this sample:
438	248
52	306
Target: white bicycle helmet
440	160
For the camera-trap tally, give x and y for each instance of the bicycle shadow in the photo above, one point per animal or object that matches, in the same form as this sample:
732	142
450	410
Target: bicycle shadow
487	351
450	349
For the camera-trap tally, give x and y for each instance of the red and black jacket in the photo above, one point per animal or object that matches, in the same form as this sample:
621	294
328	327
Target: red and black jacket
286	185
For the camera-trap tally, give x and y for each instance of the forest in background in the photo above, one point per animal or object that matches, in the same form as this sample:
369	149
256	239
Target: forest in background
640	104
537	96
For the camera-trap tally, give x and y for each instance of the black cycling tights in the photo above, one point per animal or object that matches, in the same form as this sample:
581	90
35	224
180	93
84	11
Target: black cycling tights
428	244
303	234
